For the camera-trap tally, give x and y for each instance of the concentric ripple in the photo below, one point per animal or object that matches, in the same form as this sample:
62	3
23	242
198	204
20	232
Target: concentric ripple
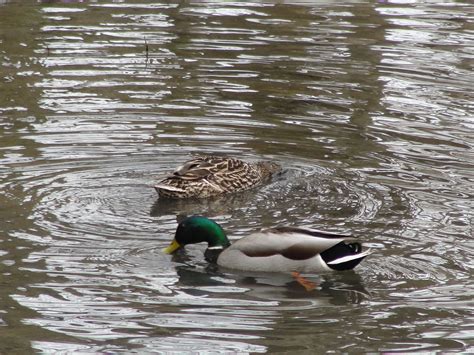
366	105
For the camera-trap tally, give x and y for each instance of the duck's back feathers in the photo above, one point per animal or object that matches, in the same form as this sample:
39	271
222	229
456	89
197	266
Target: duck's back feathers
297	243
212	175
309	232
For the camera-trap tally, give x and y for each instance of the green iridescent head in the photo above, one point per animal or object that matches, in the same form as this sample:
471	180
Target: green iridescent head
198	229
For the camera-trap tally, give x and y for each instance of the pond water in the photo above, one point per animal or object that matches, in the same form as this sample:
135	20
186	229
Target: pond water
368	105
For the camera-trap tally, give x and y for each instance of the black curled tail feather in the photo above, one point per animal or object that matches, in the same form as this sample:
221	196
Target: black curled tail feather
340	251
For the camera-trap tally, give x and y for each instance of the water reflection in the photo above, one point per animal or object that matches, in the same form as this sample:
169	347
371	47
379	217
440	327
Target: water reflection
366	105
198	300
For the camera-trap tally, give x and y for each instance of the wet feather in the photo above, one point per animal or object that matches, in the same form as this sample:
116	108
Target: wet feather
206	176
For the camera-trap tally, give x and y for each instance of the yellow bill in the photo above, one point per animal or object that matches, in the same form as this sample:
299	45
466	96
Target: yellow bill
170	249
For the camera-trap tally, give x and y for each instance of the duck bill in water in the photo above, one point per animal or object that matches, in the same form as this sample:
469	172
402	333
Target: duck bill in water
170	249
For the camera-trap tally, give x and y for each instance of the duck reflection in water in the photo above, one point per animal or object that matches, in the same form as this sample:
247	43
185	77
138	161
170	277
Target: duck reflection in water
206	280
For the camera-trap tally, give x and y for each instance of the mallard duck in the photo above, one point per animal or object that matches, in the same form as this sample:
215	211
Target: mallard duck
206	176
281	249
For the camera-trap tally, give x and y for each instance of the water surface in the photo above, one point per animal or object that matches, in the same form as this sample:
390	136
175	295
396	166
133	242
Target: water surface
367	105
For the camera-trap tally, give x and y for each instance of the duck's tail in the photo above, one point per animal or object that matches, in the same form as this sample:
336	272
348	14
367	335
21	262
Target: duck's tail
165	187
344	256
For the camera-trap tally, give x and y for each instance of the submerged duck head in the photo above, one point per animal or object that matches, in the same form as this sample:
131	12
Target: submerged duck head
198	229
268	168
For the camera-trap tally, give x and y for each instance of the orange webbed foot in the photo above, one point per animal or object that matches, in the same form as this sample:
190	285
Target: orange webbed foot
308	285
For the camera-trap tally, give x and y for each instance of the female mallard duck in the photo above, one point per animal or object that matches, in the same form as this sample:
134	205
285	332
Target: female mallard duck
283	249
211	175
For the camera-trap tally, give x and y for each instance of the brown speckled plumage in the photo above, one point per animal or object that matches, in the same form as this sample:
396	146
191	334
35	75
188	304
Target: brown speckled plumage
206	176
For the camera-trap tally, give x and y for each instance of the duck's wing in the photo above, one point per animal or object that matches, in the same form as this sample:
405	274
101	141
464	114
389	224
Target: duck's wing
223	166
292	243
204	166
233	174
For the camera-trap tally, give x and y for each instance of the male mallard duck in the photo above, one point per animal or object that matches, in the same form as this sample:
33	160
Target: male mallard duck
206	176
283	249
